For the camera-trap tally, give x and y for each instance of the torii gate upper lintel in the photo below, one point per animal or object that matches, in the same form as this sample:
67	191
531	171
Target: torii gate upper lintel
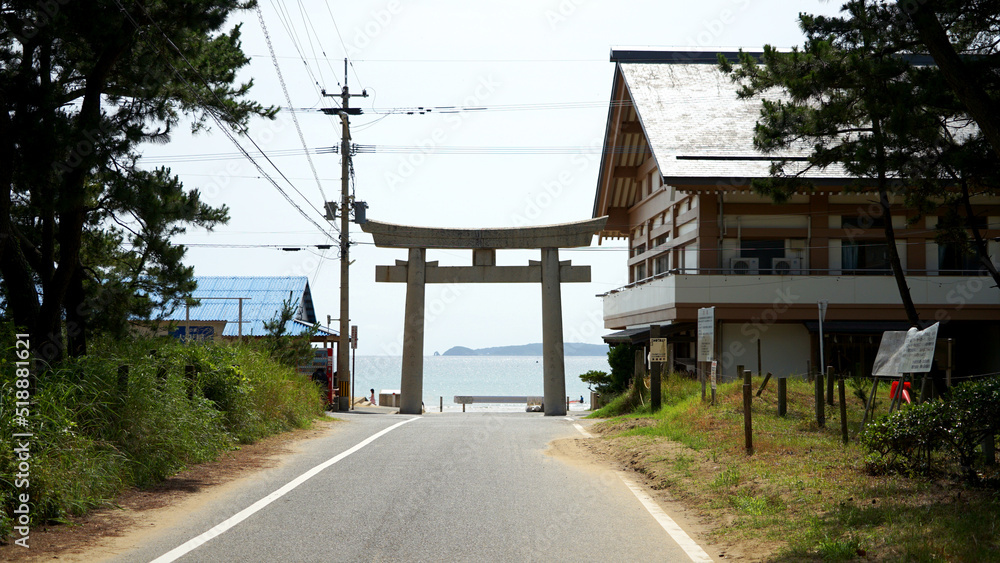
416	272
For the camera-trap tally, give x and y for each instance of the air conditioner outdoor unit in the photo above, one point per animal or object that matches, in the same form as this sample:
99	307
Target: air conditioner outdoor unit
787	266
744	265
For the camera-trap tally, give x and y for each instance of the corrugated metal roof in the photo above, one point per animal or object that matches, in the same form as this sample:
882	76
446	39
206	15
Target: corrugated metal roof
265	297
691	111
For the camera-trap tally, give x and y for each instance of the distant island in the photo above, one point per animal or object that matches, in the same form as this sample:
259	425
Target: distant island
570	349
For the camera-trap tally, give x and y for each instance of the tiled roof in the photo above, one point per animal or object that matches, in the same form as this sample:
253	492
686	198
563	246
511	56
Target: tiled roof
695	124
266	296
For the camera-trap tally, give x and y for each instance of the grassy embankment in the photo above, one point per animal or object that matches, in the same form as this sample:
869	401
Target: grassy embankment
97	431
802	492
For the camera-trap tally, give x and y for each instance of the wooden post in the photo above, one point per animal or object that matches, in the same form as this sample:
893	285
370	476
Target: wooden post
441	404
463	407
747	402
758	358
782	396
703	376
820	407
829	385
764	383
843	408
656	398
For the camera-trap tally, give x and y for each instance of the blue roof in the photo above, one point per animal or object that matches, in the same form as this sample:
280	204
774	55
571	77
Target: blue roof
265	296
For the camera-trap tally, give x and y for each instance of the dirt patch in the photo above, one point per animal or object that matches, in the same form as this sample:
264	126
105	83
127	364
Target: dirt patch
138	513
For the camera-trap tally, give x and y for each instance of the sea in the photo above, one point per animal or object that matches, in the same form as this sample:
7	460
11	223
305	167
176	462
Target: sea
448	376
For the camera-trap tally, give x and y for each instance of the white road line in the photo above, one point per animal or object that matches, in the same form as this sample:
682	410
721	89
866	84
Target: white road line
242	515
693	550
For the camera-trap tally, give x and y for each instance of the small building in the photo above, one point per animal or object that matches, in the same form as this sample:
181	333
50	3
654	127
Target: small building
234	306
675	175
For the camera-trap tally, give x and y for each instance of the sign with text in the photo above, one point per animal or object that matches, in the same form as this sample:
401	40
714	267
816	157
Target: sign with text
354	337
658	349
906	352
706	334
715	374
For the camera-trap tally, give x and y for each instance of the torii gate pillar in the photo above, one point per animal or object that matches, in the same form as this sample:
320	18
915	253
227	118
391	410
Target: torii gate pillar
550	272
412	385
553	362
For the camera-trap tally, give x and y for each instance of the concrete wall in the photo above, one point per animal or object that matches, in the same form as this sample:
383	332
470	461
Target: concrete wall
785	348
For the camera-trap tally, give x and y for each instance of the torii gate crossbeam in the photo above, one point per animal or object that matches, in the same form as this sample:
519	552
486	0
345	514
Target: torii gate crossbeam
416	272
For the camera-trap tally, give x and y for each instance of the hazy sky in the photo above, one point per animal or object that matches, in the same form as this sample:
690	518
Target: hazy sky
539	68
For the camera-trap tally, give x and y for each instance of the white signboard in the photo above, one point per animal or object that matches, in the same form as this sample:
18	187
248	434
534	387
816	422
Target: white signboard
715	368
706	334
658	349
906	352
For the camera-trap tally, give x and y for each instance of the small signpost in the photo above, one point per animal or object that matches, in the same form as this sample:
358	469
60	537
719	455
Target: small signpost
706	334
706	345
901	354
658	350
354	359
714	373
657	355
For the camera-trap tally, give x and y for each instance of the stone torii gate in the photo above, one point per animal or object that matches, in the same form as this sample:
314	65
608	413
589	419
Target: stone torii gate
550	272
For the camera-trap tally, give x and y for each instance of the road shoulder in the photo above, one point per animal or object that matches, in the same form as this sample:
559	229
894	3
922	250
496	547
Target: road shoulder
139	515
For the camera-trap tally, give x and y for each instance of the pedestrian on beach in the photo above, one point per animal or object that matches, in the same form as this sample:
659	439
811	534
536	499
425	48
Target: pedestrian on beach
372	400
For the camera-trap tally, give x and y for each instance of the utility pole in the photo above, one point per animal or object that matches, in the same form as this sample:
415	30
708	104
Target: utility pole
343	344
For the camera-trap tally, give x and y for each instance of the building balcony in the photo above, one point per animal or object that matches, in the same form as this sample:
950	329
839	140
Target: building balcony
676	296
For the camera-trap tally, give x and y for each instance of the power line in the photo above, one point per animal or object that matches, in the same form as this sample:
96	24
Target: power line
284	88
540	106
347	54
223	126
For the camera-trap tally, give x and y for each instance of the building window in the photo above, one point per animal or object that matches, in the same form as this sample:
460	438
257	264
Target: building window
638	250
954	259
865	257
862	222
640	272
662	263
765	251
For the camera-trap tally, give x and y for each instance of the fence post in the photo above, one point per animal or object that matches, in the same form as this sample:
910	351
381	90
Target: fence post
782	396
820	407
764	383
843	407
747	402
703	377
829	385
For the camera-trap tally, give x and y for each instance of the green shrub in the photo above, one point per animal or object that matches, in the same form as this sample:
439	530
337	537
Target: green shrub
97	431
957	426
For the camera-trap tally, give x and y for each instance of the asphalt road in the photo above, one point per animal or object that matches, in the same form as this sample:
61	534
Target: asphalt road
441	487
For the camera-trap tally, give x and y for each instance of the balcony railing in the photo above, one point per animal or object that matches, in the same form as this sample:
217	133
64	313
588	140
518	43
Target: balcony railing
802	273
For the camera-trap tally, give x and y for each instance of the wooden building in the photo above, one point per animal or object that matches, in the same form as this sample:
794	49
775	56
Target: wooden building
675	177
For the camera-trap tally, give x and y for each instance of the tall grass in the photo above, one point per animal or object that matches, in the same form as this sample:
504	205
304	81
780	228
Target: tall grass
96	433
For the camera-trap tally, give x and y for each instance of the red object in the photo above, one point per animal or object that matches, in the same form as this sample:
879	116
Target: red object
906	390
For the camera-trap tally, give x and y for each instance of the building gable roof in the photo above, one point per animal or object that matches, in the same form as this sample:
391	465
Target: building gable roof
678	108
264	298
